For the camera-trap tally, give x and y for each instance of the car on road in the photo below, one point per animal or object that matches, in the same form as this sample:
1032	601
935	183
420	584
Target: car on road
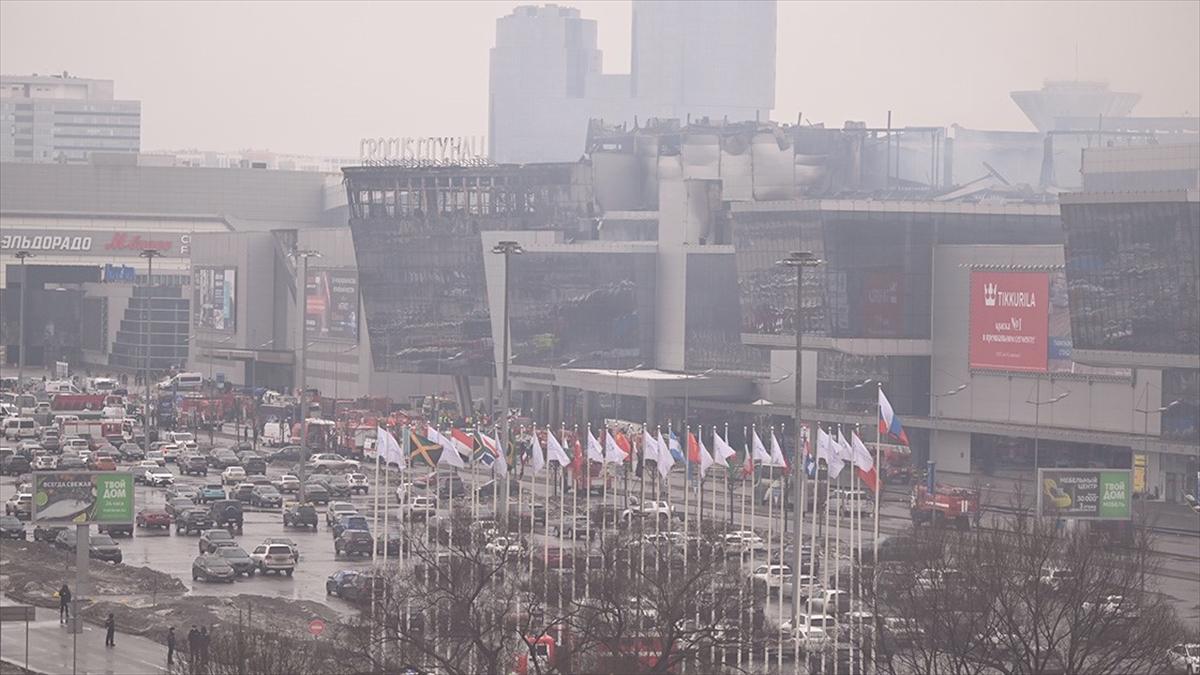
504	548
300	515
212	568
1112	606
331	461
287	483
278	558
182	491
47	533
351	521
353	542
193	465
358	483
100	546
266	496
288	453
177	505
212	539
930	579
242	492
51	440
314	493
211	492
1056	577
11	527
191	520
158	477
156	518
71	462
338	581
286	542
19	505
44	463
254	465
226	513
238	559
222	458
15	465
336	510
771	576
116	529
422	507
131	452
171	452
233	475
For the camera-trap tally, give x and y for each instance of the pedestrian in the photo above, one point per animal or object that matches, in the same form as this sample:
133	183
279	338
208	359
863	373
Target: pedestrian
64	604
203	641
110	631
193	646
171	646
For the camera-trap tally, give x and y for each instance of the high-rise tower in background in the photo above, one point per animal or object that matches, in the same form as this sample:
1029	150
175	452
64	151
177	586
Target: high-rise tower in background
62	118
714	59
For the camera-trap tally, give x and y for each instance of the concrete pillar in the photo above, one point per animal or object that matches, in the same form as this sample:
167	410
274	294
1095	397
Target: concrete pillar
951	450
587	401
650	421
555	416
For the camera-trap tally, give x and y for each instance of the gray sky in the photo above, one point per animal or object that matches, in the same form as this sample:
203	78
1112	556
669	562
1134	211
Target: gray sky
313	77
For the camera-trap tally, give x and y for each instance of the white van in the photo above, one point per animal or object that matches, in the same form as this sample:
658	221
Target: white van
17	428
61	387
103	385
183	381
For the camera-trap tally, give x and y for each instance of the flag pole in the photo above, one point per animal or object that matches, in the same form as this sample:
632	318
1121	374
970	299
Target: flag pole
783	493
562	507
812	546
825	536
770	540
741	552
575	518
374	549
837	555
752	530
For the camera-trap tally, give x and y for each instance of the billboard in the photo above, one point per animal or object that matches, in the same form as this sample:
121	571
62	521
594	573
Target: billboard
82	497
881	303
214	298
1009	321
96	243
331	304
1089	494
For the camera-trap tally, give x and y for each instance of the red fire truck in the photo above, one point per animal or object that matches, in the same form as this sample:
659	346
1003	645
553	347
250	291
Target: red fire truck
945	504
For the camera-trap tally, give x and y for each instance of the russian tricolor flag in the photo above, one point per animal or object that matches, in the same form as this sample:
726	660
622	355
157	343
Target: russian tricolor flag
889	423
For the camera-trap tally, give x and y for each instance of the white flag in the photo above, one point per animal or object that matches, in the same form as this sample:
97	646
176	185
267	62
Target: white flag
862	457
449	456
825	451
387	449
777	458
613	454
650	448
555	450
594	451
537	461
666	459
723	450
706	459
761	456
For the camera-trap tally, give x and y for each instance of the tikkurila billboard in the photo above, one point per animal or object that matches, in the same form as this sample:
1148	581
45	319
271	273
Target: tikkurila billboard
1009	320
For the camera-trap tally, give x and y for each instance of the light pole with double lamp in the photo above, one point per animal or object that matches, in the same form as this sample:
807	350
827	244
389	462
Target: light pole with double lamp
1037	404
1146	413
799	260
149	254
301	298
507	249
21	255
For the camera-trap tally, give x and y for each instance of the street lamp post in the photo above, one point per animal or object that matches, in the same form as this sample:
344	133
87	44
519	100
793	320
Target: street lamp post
21	255
506	249
933	398
211	355
301	363
687	380
1146	413
799	260
617	417
149	254
1037	404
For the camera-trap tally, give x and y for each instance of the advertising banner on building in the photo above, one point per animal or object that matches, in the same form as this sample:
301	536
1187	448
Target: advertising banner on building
882	294
1009	321
331	304
82	497
1089	494
214	298
97	243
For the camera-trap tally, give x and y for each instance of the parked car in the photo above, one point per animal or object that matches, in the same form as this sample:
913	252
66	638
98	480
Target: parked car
300	515
335	510
47	533
226	513
116	529
100	546
131	452
212	568
337	582
331	461
193	465
266	496
158	477
233	475
255	466
212	539
278	558
70	462
287	542
44	463
211	492
287	483
238	559
242	492
177	505
353	542
11	527
156	518
421	507
182	491
289	453
351	521
192	520
19	505
15	465
315	493
358	483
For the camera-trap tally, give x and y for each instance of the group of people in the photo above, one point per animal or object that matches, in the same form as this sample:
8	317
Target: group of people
198	639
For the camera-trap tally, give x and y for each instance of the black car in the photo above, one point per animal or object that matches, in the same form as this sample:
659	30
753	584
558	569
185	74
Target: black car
131	451
226	513
290	453
47	533
393	540
178	505
193	465
238	559
52	442
315	493
71	462
14	465
243	492
11	527
300	515
339	486
266	496
182	492
352	521
212	568
102	547
114	530
211	540
192	520
222	459
255	466
353	542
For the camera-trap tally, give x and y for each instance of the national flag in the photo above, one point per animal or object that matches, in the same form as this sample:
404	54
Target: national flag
613	454
577	462
889	422
595	452
748	465
463	442
555	450
693	449
649	447
673	446
388	449
666	458
810	462
864	463
449	456
827	452
705	459
624	444
777	458
537	459
499	464
760	451
721	450
424	450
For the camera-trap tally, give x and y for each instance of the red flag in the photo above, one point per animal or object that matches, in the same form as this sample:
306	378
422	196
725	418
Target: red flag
748	466
625	446
577	458
693	453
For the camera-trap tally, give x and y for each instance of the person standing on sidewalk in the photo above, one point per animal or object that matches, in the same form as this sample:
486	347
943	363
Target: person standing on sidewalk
64	604
171	646
110	631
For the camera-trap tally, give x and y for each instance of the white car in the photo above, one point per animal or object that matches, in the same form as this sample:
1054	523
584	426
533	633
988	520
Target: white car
648	508
274	558
813	631
158	477
772	575
75	444
745	540
44	463
171	452
358	483
935	579
1054	577
336	510
331	460
503	547
287	483
233	475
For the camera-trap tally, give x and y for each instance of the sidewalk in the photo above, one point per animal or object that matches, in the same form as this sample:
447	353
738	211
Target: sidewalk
50	649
